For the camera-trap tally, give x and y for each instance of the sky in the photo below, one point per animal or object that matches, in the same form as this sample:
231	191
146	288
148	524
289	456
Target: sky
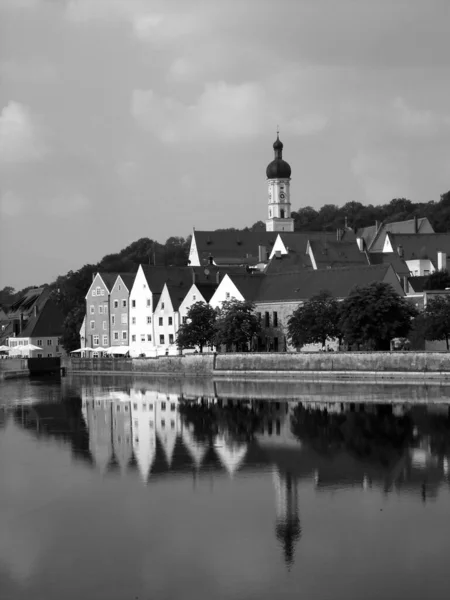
122	119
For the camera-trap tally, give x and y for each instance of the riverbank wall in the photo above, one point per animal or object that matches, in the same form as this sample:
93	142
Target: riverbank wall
12	368
400	366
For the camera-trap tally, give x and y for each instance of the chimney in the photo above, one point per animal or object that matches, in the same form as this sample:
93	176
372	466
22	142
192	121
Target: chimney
377	226
277	253
400	251
416	224
21	323
193	276
441	261
35	310
262	253
360	242
218	277
210	259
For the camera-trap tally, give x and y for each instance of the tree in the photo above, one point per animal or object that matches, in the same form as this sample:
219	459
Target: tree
372	315
438	280
315	321
236	324
70	338
435	320
199	328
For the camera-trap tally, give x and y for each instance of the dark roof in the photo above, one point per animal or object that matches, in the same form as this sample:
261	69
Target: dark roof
236	246
389	258
302	284
48	322
421	246
278	168
334	254
157	277
416	283
128	279
247	284
374	237
25	304
207	291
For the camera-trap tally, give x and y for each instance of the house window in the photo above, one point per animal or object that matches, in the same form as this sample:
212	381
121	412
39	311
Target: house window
92	309
105	309
149	338
116	304
105	325
149	320
160	321
124	335
49	342
163	423
133	320
172	424
133	338
124	318
142	337
98	291
170	338
194	297
49	354
227	296
275	319
267	319
39	342
170	321
105	340
124	303
172	406
120	287
162	305
102	293
161	339
149	302
163	406
184	319
92	324
94	293
116	335
100	309
96	340
39	355
133	304
57	349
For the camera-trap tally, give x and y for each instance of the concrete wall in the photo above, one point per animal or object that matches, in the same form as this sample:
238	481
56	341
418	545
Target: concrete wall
335	361
191	365
13	367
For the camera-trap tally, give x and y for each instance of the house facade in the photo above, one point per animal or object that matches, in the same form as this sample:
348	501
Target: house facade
97	333
120	310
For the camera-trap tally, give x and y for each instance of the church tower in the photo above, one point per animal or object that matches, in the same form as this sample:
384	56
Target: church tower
278	175
287	529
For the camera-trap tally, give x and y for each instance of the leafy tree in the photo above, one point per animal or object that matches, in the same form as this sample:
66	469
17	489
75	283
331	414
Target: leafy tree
315	321
434	322
70	338
439	280
372	315
236	324
199	328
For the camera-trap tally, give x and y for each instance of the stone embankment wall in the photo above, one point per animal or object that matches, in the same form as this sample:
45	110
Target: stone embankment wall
315	366
13	367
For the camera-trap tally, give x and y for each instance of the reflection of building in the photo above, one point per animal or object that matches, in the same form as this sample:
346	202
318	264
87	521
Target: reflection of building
288	530
122	446
99	423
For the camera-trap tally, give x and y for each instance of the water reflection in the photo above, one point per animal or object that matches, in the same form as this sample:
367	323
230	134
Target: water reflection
330	446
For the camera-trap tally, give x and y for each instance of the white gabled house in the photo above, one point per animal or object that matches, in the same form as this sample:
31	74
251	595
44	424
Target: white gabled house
141	316
237	286
196	293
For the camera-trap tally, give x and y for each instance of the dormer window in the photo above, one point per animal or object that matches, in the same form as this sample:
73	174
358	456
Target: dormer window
98	291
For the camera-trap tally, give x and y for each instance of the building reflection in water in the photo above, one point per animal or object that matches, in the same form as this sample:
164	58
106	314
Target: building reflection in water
400	448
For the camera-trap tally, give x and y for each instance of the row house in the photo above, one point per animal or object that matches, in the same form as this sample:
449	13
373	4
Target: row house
119	309
97	330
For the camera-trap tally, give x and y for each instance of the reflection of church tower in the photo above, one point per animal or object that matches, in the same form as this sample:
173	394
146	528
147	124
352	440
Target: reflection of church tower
278	175
288	529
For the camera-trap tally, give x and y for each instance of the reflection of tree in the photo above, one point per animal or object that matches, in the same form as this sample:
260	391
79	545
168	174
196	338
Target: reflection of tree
61	420
369	436
435	427
237	422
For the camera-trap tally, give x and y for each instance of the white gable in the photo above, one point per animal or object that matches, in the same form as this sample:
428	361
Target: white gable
97	283
387	247
194	260
226	291
278	247
193	296
141	317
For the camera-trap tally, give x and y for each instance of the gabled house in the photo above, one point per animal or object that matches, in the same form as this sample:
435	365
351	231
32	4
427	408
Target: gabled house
119	311
98	309
423	253
327	254
281	293
24	308
237	286
44	330
372	238
198	292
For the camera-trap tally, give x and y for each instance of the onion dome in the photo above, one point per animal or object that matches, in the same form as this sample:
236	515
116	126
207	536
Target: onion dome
278	168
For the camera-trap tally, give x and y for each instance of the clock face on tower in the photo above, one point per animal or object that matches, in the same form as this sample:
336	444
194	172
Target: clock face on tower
282	196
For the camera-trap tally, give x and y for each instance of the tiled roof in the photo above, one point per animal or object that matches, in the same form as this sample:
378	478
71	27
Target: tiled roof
389	258
157	277
48	322
421	246
375	238
237	246
207	291
302	284
128	279
335	254
247	284
416	283
289	262
25	304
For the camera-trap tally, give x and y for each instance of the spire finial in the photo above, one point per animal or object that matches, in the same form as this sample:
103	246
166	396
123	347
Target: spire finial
278	130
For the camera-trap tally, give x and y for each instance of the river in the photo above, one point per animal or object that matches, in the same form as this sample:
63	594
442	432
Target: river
122	489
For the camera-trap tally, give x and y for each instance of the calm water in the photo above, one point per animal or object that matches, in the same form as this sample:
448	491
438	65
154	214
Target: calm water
113	488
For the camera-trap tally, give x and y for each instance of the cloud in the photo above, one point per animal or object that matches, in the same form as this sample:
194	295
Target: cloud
11	205
66	205
19	137
222	112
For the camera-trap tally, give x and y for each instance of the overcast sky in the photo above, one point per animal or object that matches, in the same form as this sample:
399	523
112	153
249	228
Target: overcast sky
122	119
